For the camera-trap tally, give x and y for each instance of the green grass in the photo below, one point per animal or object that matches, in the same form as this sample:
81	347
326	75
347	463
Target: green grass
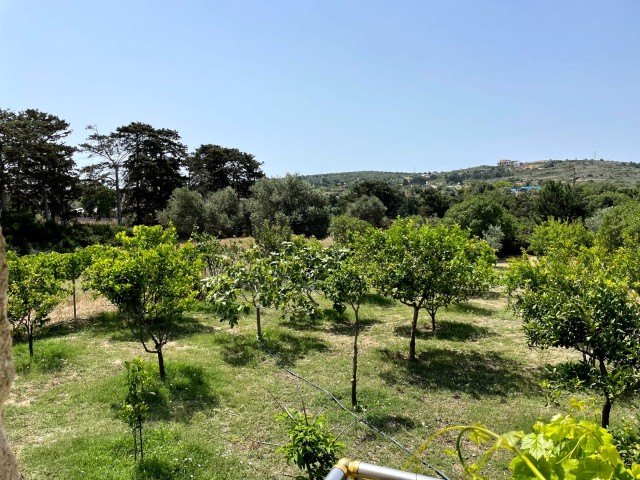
214	417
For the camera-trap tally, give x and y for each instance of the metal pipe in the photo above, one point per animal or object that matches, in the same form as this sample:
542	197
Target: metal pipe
367	471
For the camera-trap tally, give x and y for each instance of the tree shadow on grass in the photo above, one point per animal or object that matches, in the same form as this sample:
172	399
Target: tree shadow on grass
245	350
238	350
390	423
114	325
474	373
345	325
185	392
288	348
48	357
472	309
447	330
378	300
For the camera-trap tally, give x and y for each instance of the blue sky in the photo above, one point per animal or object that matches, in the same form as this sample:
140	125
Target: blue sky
329	86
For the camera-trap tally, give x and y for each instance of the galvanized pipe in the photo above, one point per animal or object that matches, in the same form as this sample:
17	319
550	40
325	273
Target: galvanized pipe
367	471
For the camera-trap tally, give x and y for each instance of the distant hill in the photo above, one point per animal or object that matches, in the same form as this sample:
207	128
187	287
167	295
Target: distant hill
623	174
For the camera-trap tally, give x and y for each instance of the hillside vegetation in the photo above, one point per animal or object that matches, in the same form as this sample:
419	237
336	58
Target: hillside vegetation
619	173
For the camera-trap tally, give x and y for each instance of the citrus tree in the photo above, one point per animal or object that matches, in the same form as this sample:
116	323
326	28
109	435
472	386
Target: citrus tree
582	303
427	267
347	283
151	279
33	292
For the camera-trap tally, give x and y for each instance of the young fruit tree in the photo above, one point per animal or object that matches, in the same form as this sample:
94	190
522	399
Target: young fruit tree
247	279
71	267
427	267
347	283
151	279
582	303
34	290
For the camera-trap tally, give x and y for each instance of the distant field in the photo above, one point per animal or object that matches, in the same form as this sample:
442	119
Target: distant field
215	417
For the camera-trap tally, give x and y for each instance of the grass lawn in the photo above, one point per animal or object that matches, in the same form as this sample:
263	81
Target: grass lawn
214	418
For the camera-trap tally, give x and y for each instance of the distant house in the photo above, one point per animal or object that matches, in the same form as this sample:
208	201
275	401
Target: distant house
528	188
509	163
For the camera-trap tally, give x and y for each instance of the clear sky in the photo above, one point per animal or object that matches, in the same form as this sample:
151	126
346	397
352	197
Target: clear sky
314	86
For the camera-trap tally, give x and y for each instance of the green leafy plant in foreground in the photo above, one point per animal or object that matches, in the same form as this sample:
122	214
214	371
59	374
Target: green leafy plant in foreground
563	448
133	409
312	446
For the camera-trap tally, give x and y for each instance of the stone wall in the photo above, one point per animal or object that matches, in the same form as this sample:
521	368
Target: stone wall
8	463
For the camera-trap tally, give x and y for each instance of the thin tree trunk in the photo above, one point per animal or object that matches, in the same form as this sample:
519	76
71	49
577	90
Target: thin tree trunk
414	328
135	444
118	197
163	374
258	325
75	315
141	445
354	377
30	337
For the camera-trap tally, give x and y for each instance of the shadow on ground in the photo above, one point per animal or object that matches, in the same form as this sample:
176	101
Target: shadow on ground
114	325
469	308
447	330
473	373
390	423
245	350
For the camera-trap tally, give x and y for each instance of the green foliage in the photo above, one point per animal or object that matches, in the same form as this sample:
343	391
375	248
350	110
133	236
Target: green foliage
479	213
312	446
152	169
620	226
494	236
428	267
151	279
185	211
583	303
248	279
344	226
562	201
134	409
627	440
563	448
559	235
213	168
270	236
303	206
33	291
223	212
368	208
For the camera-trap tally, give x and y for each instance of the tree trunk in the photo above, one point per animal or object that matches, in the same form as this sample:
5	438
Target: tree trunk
258	323
163	374
432	314
354	377
118	197
141	445
606	411
75	315
47	213
414	328
30	337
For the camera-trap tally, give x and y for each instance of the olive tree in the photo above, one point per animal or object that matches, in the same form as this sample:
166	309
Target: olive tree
581	302
33	292
151	279
428	267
